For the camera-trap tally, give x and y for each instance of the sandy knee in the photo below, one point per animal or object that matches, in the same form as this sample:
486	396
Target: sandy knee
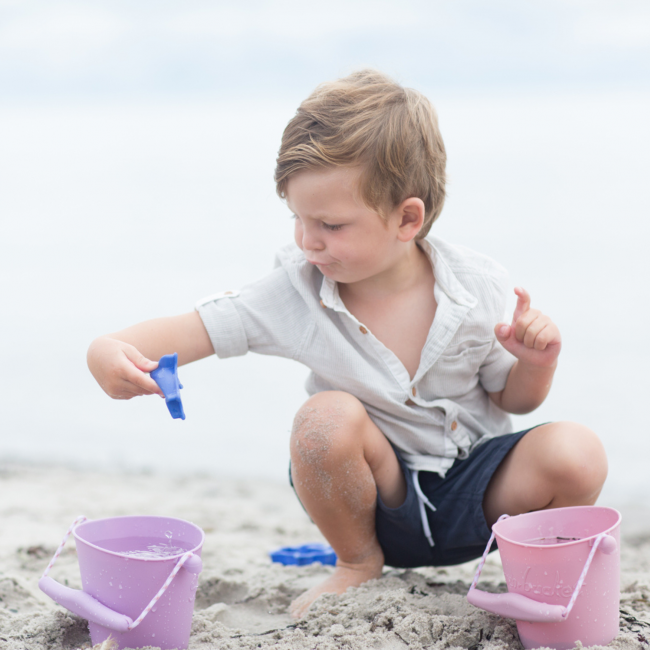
324	427
327	452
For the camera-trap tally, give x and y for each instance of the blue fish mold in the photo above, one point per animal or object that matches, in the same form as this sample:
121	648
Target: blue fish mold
305	554
166	376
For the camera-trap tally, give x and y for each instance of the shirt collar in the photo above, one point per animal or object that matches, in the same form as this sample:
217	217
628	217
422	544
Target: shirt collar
445	280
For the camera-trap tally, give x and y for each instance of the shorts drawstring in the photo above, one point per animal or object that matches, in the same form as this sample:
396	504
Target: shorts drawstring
422	502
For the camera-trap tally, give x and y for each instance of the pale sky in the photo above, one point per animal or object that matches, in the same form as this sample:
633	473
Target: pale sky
75	49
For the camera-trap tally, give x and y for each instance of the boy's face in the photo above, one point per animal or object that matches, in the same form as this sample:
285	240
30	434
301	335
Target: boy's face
338	233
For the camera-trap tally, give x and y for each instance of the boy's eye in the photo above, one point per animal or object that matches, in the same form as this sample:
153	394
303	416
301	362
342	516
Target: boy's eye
329	226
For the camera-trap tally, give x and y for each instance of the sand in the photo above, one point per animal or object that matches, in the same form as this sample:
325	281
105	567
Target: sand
242	600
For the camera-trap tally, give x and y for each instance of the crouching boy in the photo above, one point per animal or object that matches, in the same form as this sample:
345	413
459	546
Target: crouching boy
404	453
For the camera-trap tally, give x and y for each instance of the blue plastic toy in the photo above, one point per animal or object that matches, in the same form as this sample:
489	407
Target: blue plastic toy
305	554
166	376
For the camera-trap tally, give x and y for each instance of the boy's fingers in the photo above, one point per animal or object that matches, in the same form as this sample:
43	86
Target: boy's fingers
142	382
125	390
125	394
138	375
532	332
525	322
523	303
505	336
139	390
502	331
139	360
128	390
543	338
151	386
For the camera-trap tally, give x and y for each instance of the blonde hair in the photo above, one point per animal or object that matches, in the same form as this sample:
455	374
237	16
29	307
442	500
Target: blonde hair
368	120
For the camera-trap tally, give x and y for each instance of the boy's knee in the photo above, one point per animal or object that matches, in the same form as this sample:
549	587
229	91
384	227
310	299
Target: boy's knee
574	458
323	426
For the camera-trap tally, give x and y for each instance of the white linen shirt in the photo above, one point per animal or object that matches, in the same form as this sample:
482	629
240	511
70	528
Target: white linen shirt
439	415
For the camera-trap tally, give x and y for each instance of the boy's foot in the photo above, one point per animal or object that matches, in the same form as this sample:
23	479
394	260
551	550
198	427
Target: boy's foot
344	576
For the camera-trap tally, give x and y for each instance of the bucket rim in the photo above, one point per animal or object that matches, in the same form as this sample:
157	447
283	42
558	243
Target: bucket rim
576	542
167	558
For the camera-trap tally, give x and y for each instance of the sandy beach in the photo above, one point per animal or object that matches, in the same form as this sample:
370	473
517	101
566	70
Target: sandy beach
242	599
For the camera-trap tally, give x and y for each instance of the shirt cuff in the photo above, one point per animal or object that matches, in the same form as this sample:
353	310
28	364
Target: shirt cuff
224	326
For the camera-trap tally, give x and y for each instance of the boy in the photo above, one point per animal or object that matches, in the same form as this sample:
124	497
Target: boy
403	453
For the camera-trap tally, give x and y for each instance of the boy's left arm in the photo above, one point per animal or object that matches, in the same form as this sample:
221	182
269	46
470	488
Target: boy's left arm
535	341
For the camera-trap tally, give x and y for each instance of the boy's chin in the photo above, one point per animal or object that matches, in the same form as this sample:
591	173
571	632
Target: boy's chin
337	275
330	271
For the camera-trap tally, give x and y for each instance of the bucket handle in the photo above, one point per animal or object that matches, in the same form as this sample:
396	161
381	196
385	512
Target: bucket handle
83	604
521	608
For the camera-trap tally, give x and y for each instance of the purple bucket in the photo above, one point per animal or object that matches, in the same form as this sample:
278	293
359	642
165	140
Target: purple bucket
129	593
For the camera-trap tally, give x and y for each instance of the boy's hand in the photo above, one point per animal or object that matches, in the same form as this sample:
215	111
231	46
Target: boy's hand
121	370
533	338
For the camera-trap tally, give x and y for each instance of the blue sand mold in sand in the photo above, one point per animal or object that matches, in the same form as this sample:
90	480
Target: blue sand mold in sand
305	554
166	376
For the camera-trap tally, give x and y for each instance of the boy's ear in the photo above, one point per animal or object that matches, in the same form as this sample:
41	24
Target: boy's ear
411	215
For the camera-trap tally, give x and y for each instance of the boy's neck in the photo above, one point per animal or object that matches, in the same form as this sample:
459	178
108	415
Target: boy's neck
409	271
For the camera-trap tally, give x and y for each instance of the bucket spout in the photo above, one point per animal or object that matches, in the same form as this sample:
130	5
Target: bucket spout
84	605
516	606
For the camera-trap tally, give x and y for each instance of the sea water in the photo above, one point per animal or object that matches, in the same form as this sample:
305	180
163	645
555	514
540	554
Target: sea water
146	548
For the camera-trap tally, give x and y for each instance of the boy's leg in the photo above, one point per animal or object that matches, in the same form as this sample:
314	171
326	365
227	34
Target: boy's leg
552	466
339	461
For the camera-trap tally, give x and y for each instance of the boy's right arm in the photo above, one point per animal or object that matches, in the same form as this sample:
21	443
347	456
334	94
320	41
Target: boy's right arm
120	362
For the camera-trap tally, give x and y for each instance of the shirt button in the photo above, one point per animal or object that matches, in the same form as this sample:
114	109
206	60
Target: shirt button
409	402
454	425
413	391
227	293
322	304
362	329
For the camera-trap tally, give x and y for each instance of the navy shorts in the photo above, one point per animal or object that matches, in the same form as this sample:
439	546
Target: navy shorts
458	525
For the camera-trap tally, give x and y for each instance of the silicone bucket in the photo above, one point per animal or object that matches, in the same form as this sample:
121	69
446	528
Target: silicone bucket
562	568
136	601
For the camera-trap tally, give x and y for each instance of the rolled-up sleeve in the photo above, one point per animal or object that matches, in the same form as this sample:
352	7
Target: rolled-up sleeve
268	317
223	324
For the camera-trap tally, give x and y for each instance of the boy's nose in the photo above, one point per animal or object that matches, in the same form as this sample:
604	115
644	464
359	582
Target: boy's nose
310	241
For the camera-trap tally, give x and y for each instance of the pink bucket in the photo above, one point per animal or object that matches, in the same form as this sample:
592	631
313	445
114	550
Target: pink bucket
138	601
562	568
